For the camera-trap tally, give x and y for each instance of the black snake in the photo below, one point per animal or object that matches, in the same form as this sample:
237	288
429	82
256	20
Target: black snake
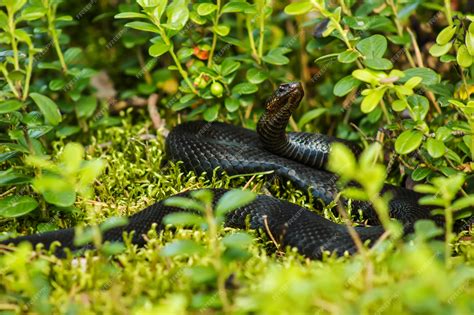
298	157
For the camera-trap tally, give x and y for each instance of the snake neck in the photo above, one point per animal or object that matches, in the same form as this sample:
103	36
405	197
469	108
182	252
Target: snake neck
272	128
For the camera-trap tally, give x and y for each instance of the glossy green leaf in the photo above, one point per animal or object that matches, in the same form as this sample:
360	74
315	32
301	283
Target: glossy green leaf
229	66
373	46
130	15
204	9
470	39
158	49
297	8
222	30
311	115
439	50
446	35
348	56
378	63
436	148
342	160
49	108
184	218
16	206
256	76
143	26
244	88
86	106
372	99
182	247
346	85
232	200
463	57
408	141
10	106
210	114
420	173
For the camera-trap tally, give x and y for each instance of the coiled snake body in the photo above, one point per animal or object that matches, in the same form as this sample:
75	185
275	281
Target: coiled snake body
298	157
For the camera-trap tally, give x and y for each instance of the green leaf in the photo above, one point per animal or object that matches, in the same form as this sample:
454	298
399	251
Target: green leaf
56	84
222	30
16	206
372	99
143	26
445	35
399	105
10	106
408	141
158	48
428	76
229	66
149	3
238	240
32	13
470	39
276	59
463	57
73	55
378	63
38	131
130	15
345	85
113	222
211	113
86	106
348	56
49	109
435	147
177	14
342	160
420	106
308	116
5	157
11	177
256	76
232	200
64	198
355	193
463	202
232	104
366	75
204	9
373	46
182	247
184	218
427	229
244	88
420	173
184	203
297	8
235	7
439	50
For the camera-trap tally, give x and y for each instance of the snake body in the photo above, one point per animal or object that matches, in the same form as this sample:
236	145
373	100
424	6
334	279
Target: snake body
297	157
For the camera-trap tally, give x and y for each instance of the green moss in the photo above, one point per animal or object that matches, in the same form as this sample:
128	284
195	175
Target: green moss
400	278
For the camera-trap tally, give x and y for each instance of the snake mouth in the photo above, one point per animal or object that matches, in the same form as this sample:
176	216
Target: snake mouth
287	96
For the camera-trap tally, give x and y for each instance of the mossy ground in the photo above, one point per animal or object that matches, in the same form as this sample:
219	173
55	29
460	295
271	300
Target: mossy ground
408	277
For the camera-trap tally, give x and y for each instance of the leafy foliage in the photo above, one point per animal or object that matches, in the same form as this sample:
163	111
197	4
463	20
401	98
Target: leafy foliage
394	73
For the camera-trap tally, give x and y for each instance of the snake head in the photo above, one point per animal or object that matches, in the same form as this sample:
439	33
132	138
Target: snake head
286	96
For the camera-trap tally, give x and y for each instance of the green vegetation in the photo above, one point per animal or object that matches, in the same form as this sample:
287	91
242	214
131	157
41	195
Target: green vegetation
86	89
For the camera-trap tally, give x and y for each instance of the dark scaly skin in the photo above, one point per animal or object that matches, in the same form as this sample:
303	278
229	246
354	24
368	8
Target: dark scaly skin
288	223
202	147
311	149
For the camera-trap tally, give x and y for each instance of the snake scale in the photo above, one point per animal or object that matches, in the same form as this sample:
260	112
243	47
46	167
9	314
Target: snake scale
297	156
